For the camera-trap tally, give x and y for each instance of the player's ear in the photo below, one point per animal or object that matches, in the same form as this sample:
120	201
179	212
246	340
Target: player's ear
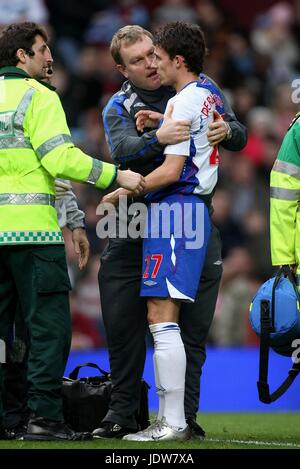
179	61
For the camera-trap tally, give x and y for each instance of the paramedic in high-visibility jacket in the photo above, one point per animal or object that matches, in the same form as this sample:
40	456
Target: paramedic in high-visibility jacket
35	148
285	201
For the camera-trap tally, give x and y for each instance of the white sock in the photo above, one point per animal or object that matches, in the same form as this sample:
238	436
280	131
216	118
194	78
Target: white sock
170	361
159	390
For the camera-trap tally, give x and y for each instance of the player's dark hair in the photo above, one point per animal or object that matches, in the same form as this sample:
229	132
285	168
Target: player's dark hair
184	39
18	36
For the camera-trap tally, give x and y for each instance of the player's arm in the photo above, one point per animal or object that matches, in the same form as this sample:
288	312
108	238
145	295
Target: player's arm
175	155
127	144
168	173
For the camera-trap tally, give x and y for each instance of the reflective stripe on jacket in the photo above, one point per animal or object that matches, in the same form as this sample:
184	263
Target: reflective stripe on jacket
35	148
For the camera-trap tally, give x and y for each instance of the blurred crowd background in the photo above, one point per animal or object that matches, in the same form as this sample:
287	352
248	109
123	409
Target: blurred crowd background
253	55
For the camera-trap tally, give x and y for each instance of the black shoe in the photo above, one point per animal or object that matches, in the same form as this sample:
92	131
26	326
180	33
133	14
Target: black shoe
196	430
4	434
43	429
112	430
17	432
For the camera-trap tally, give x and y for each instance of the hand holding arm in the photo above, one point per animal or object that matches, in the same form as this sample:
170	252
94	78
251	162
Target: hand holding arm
166	174
219	130
173	131
134	182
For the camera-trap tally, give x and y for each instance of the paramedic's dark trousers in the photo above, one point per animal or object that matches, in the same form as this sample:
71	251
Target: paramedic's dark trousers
125	320
16	413
35	277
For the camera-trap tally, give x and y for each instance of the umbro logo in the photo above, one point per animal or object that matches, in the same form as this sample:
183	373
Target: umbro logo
219	262
150	283
160	388
116	428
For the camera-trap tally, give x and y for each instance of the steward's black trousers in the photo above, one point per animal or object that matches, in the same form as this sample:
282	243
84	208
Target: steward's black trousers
125	319
34	278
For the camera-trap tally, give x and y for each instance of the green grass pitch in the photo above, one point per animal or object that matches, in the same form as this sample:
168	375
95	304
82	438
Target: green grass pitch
223	431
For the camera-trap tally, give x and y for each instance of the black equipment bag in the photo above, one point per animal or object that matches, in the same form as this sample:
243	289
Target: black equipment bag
86	400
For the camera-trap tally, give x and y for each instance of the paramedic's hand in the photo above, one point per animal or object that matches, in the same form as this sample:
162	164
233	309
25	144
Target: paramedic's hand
134	182
218	130
62	188
81	246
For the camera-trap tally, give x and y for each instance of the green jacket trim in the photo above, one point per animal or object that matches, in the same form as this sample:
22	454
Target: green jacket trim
42	237
115	175
13	71
16	72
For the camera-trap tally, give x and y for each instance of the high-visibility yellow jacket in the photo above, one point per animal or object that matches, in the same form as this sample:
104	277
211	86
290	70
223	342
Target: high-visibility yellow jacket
285	199
35	148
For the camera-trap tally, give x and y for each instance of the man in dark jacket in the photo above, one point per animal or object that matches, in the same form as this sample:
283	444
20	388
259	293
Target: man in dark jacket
124	311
